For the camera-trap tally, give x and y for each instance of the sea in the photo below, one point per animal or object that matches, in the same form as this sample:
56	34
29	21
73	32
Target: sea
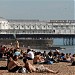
58	42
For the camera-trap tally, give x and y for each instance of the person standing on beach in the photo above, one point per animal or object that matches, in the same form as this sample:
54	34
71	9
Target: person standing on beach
17	44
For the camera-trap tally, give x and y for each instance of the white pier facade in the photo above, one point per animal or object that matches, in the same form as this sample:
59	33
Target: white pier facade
42	27
37	27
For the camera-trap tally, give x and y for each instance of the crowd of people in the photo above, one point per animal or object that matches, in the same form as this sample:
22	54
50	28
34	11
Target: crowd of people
15	54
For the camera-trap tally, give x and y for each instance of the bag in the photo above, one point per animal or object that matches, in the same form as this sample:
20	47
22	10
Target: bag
22	70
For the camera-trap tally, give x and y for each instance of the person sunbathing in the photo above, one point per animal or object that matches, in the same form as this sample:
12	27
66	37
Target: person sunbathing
38	59
13	65
40	68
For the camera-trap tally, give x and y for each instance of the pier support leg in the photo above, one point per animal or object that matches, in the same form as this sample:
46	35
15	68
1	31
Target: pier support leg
68	41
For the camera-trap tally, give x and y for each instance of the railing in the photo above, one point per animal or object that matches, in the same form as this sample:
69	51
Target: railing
35	31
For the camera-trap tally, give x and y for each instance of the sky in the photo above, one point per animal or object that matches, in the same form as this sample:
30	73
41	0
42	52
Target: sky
37	9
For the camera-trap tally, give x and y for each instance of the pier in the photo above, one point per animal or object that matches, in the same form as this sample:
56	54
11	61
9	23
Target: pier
36	29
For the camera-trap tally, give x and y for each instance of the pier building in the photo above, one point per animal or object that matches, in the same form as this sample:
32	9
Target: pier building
36	29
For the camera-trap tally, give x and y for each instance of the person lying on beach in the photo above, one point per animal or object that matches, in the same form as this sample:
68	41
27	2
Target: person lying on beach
67	57
38	59
13	65
40	68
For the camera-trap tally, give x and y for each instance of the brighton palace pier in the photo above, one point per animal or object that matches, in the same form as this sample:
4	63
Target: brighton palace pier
39	31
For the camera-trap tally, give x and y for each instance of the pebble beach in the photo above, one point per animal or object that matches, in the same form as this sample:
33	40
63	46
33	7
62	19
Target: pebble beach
63	68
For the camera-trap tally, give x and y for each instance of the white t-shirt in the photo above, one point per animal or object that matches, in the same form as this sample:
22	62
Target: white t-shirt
31	54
